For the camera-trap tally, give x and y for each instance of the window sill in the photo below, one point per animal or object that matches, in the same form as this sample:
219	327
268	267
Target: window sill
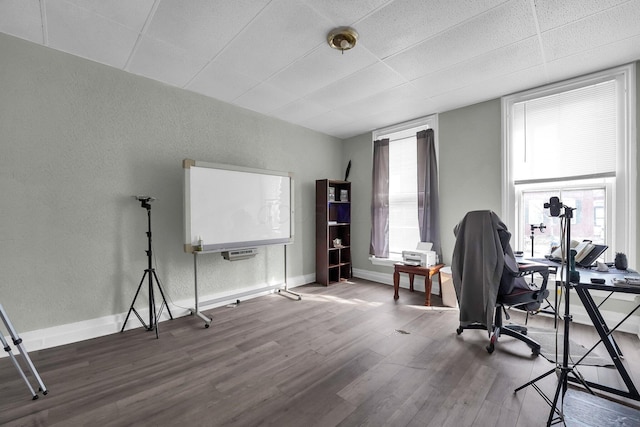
385	261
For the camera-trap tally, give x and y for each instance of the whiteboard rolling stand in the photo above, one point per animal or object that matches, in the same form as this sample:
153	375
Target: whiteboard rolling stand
17	341
196	310
207	321
286	288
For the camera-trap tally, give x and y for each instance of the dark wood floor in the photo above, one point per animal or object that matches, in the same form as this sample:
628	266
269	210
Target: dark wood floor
344	355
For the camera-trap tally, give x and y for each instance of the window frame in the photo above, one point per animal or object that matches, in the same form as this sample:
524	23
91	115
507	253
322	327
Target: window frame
399	131
622	228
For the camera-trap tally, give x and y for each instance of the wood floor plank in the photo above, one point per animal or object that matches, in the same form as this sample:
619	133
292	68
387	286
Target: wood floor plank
347	355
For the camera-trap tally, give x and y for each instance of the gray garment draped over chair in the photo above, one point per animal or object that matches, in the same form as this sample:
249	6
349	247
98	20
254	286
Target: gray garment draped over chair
477	266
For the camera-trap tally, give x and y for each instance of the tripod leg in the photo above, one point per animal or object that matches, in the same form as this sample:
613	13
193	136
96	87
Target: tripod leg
562	386
162	293
153	318
133	303
535	380
17	341
17	365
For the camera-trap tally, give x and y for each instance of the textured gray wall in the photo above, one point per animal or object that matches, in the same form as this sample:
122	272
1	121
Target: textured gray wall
469	175
470	165
79	139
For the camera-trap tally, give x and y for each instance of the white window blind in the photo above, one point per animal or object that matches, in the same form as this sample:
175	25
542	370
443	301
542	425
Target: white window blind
403	201
567	135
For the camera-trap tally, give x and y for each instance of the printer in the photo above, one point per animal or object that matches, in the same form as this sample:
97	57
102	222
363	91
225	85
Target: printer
422	256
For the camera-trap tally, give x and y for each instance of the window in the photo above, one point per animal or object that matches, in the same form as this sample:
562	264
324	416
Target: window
573	140
404	232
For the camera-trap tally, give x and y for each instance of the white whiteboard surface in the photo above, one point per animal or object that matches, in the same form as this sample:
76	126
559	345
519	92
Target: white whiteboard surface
231	207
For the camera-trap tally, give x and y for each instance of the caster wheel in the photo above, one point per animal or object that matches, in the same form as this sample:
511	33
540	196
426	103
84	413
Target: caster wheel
459	331
490	348
206	325
535	352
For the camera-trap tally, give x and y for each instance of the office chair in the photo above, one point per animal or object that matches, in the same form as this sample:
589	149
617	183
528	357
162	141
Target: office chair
488	279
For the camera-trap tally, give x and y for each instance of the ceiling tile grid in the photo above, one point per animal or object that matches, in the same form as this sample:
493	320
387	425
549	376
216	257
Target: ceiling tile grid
21	18
413	57
81	32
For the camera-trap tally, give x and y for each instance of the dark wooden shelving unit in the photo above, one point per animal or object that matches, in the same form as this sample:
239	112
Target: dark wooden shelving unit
333	221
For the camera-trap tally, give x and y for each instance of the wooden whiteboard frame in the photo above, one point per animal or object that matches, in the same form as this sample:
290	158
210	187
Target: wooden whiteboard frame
189	245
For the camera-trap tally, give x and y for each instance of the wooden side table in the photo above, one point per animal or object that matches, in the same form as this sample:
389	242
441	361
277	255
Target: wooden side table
427	272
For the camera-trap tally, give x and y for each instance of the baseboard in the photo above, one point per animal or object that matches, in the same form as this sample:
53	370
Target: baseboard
92	328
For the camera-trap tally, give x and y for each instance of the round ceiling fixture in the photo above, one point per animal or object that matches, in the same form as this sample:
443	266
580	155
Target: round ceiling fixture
342	38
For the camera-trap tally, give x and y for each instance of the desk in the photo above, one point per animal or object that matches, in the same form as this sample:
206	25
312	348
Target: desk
427	272
583	289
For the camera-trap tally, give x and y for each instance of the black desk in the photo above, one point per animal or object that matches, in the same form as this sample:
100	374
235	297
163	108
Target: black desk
583	289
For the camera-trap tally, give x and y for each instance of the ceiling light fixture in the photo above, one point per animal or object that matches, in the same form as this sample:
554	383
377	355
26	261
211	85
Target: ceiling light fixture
342	38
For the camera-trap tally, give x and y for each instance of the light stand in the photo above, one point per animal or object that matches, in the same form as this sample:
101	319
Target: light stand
549	309
150	273
540	227
564	369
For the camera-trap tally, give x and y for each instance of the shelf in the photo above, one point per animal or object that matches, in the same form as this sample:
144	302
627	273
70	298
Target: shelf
342	264
333	222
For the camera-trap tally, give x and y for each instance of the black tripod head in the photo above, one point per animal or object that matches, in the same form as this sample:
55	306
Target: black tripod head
145	201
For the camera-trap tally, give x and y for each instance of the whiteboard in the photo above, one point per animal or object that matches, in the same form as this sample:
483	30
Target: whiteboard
232	207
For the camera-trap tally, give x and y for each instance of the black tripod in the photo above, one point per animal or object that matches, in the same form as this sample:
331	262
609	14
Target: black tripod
556	415
540	227
149	273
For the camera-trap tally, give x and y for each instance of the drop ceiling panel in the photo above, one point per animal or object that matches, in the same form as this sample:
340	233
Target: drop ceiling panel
202	27
556	13
218	81
596	30
342	13
80	32
285	31
469	74
299	110
21	18
166	63
404	23
466	41
365	83
330	120
392	98
596	59
320	68
264	98
516	82
131	14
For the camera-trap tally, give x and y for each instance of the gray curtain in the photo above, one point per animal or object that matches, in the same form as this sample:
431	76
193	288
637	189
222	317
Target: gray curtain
379	246
428	200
